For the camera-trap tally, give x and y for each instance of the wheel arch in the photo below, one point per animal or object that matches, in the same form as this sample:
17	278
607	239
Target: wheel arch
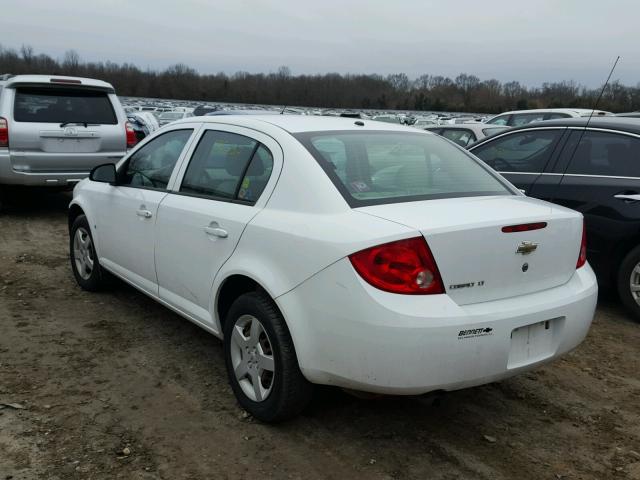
620	251
75	211
229	289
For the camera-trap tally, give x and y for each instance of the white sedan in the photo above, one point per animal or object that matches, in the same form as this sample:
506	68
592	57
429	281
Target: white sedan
337	251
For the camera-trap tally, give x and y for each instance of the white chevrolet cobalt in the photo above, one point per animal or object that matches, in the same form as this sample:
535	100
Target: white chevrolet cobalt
337	251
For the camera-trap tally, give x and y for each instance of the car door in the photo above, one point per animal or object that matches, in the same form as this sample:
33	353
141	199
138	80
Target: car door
126	212
522	155
221	187
602	180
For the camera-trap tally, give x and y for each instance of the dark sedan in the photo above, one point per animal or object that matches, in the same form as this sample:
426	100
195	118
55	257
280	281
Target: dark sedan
595	171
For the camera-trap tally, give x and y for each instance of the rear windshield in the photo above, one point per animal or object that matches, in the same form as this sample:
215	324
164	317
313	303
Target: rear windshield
372	168
54	105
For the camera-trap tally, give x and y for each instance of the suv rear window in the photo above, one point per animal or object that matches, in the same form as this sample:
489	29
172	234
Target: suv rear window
372	168
55	105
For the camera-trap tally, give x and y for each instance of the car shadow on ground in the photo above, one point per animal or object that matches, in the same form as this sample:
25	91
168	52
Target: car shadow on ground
27	202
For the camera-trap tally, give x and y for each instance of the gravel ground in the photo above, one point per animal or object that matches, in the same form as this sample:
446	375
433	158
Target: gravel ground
113	385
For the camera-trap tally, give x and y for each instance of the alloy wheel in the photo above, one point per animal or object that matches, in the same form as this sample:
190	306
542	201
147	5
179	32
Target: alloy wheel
83	253
252	358
634	283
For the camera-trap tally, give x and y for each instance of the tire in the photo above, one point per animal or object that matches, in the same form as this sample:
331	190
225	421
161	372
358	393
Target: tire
84	261
252	349
627	276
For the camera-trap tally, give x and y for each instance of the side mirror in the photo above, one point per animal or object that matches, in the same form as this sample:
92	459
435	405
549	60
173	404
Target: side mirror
104	173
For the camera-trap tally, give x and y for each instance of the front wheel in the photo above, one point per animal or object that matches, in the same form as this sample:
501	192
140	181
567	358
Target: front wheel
84	260
261	360
628	282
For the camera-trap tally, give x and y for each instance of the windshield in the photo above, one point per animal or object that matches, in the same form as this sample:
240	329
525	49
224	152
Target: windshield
55	105
371	168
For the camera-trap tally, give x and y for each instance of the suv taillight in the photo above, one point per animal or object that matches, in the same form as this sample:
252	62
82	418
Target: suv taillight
4	132
582	256
131	136
406	266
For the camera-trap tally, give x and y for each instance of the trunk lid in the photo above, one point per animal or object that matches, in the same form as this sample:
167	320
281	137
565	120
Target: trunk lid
479	262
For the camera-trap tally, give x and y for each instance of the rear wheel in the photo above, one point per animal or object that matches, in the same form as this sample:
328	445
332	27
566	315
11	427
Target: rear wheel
261	360
84	260
628	282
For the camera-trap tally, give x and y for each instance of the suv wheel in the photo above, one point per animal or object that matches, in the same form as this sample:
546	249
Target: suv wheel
261	360
84	261
629	282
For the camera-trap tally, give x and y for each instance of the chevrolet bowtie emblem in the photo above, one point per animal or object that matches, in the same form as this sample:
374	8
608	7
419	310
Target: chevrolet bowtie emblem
525	248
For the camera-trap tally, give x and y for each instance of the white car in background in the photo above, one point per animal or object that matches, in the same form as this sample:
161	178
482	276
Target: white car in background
522	117
168	117
337	251
466	134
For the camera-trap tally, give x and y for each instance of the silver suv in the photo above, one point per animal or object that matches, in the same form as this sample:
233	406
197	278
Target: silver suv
54	130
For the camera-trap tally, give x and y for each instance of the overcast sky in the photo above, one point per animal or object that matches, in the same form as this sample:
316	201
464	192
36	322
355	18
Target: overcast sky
532	42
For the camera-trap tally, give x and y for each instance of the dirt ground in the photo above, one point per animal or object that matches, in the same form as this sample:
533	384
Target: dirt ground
100	373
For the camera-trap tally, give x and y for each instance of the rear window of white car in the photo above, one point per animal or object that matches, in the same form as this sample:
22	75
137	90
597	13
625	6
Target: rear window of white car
56	105
372	168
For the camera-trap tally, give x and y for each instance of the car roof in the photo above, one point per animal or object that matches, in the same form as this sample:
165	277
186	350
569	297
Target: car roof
580	111
57	80
629	114
473	126
300	123
631	125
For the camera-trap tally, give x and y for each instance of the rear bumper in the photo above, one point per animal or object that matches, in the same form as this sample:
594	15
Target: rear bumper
54	178
351	335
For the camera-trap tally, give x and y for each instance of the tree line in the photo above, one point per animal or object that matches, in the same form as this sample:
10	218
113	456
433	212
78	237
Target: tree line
464	93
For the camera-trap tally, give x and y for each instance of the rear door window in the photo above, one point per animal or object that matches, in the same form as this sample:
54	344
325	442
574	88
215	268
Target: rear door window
525	152
56	105
604	154
228	166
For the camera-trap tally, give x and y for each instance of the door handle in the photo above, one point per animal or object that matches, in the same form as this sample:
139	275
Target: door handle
635	197
214	229
144	213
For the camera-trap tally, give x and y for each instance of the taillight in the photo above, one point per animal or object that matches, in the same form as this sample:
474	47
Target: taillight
406	266
582	257
4	132
524	227
131	136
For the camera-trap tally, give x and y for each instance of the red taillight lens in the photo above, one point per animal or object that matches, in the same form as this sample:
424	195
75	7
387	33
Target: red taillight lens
4	132
406	266
131	136
582	257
